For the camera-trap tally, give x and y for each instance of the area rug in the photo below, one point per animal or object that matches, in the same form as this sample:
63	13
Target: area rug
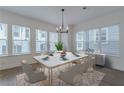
88	79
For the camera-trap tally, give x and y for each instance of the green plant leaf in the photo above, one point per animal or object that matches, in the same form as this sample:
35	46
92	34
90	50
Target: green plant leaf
59	45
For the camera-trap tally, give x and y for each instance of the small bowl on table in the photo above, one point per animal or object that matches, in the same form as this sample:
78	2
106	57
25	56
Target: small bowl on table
44	57
62	55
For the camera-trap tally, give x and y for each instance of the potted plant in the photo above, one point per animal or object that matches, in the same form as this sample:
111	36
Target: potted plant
59	46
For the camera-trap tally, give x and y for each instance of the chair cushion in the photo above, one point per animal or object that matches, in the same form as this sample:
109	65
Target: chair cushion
37	77
70	77
77	78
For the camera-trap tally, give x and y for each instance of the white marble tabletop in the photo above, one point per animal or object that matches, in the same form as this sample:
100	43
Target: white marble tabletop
54	61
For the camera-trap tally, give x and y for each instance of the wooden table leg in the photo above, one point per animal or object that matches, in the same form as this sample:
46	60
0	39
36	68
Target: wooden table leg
50	76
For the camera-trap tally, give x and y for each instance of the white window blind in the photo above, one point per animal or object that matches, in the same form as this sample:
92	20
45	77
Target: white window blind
41	40
21	39
94	39
3	39
112	40
104	35
104	40
53	38
79	41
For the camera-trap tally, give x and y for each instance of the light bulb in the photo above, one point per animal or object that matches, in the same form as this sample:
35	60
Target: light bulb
57	29
60	27
67	28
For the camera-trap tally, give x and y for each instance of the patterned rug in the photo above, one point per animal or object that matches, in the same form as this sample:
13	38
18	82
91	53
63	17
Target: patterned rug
88	79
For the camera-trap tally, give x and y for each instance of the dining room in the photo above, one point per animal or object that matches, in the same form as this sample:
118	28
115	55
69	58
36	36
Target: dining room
47	46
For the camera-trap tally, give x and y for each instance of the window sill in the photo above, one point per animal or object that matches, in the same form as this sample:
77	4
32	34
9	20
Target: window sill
21	54
14	55
109	55
4	56
113	55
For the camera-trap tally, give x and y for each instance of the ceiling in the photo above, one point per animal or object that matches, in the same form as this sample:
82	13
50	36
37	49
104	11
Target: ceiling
72	14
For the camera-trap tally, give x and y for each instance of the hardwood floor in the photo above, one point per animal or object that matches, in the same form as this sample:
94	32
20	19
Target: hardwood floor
112	77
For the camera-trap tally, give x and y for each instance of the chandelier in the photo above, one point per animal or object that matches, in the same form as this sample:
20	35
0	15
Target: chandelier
61	28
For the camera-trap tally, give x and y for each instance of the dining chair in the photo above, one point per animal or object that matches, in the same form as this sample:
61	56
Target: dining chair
38	65
74	74
44	53
33	76
91	59
80	60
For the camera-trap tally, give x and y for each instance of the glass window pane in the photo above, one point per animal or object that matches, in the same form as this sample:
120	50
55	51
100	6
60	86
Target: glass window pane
25	46
21	39
41	40
17	47
80	36
104	35
112	45
53	37
16	32
3	31
3	47
79	45
27	35
21	47
3	39
94	39
41	35
52	46
41	46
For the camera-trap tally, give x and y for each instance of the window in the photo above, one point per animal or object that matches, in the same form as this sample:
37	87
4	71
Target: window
16	33
79	40
104	40
94	39
96	34
3	39
21	39
112	42
41	40
53	38
104	35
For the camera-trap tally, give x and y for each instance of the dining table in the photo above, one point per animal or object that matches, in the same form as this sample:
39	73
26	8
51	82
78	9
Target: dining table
54	61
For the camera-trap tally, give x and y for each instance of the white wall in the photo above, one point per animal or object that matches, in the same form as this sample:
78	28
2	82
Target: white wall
11	18
113	18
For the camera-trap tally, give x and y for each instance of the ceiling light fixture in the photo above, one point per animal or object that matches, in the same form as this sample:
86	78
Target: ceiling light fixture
62	29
